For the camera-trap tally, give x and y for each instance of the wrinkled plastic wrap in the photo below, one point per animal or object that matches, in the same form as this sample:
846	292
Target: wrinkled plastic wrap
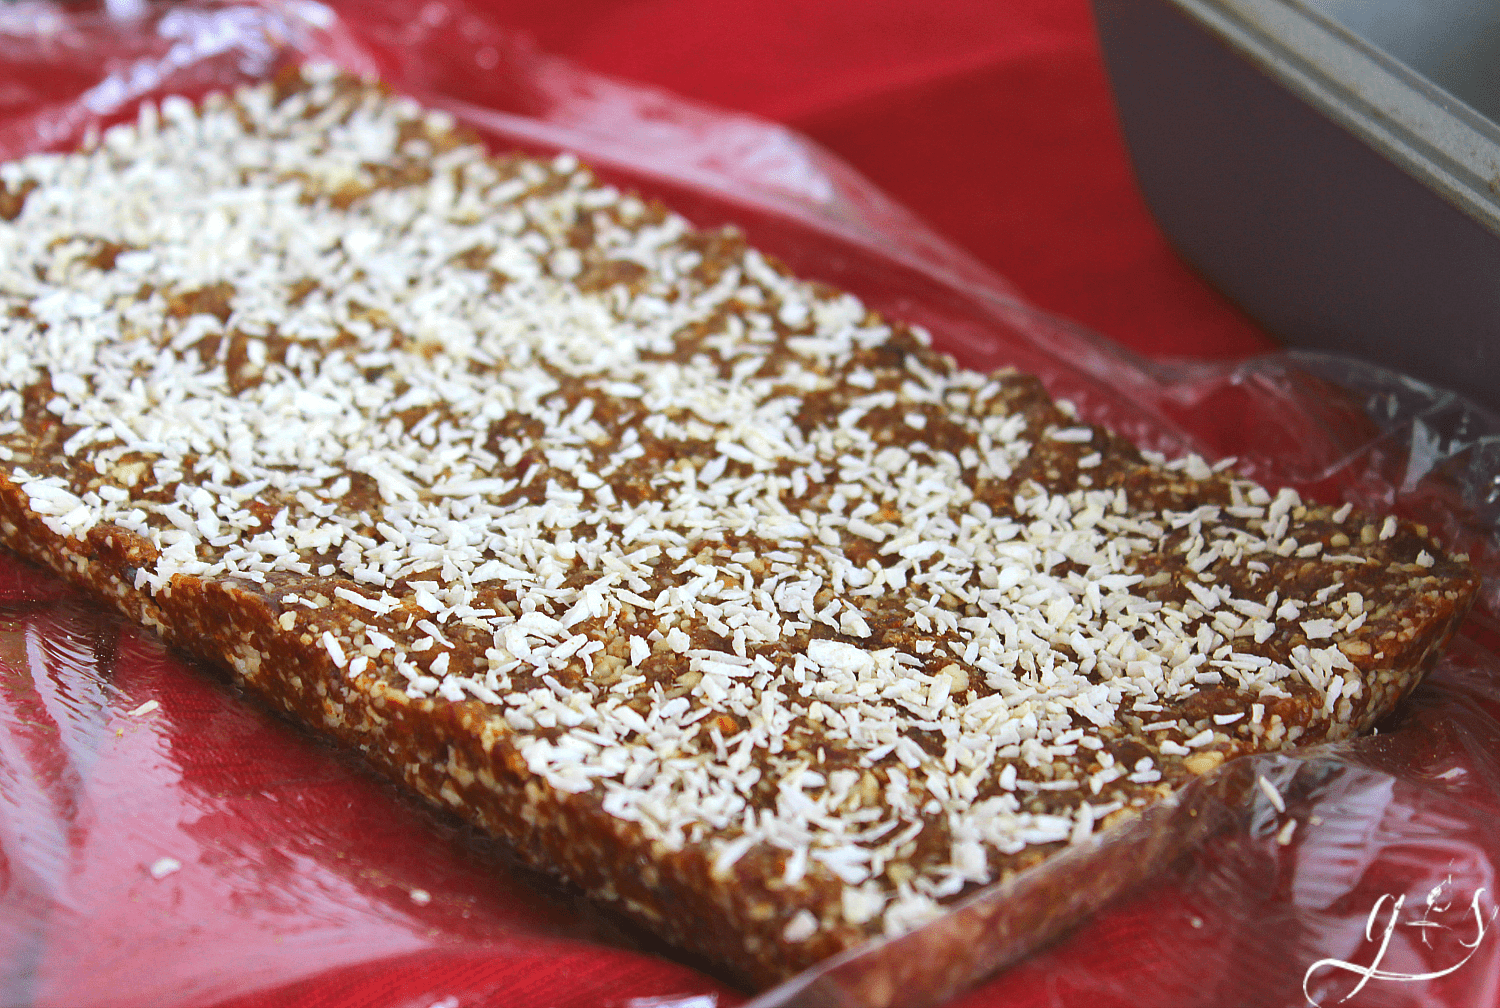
164	842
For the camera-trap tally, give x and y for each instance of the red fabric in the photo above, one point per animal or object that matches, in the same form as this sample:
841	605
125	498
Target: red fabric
992	121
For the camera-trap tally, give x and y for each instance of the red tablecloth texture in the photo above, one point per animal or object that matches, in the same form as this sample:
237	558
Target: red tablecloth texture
250	867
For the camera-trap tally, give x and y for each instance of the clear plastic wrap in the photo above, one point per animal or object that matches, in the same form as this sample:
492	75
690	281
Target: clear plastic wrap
162	842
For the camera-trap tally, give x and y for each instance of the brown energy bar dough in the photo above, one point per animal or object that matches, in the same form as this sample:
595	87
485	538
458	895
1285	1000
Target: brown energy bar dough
706	587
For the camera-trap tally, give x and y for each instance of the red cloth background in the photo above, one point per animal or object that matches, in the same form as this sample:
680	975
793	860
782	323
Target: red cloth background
991	119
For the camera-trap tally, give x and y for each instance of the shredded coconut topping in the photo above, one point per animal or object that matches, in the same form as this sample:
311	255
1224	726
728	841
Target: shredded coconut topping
750	565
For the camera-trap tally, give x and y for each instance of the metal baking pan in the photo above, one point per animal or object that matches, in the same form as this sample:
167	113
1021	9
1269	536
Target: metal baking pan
1332	166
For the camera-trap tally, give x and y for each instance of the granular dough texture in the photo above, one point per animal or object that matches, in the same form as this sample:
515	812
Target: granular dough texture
704	586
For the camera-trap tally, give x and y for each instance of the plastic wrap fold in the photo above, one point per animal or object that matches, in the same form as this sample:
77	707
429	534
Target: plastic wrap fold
165	843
